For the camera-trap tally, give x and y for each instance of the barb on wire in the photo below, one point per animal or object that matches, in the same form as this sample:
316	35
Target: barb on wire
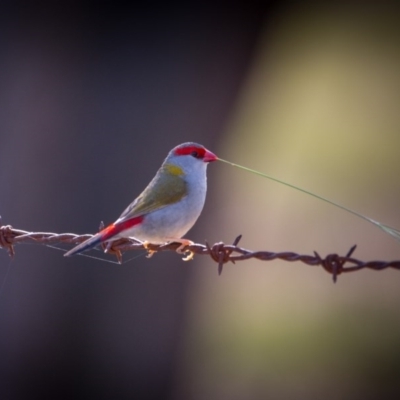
221	253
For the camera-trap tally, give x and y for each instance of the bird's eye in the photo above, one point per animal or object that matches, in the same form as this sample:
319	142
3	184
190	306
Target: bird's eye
195	154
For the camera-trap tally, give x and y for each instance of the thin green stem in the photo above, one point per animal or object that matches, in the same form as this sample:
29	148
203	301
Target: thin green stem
391	231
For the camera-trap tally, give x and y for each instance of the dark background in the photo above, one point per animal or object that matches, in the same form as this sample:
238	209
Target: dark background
93	96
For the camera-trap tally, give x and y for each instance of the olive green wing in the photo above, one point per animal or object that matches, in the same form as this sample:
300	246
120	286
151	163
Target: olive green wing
164	189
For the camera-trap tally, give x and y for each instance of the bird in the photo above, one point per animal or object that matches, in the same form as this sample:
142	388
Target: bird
167	208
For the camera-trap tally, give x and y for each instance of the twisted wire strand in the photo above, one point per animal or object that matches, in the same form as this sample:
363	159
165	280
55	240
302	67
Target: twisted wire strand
220	252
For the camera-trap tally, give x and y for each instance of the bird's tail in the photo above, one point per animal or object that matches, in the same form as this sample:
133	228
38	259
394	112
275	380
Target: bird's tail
86	245
104	235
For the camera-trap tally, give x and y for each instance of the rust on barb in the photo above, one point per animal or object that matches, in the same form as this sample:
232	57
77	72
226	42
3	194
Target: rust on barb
333	263
221	253
6	239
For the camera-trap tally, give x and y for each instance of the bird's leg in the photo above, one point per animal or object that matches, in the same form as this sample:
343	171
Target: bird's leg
184	243
149	252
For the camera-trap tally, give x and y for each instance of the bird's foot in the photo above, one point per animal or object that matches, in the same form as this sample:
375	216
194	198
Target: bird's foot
188	253
149	252
183	243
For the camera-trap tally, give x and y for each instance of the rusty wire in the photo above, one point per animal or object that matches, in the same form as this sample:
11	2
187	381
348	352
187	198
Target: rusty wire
221	253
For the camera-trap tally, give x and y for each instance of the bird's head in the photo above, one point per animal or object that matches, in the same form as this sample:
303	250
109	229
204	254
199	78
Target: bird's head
194	151
188	156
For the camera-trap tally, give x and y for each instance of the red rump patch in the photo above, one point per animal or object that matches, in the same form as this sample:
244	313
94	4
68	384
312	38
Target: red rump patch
187	150
114	229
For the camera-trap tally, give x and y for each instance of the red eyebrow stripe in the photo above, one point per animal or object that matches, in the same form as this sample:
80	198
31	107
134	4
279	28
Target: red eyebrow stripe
184	151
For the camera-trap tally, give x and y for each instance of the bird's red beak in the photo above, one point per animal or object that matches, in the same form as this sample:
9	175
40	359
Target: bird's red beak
209	157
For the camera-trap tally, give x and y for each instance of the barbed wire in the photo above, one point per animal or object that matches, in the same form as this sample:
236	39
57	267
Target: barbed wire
220	252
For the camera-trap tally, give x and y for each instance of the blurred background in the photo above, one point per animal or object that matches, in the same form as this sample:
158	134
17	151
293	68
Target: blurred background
94	95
